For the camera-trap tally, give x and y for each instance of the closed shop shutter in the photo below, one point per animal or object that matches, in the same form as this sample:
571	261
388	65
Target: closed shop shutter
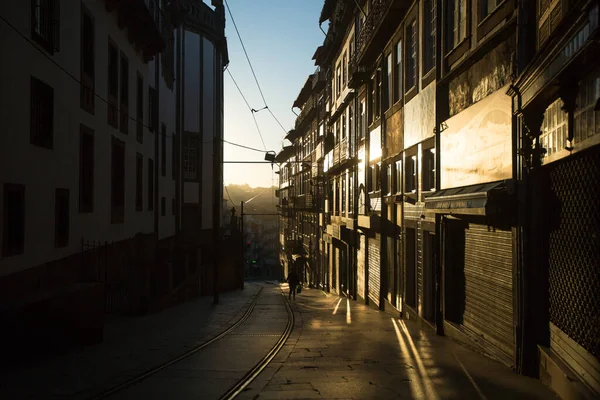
361	267
488	286
374	270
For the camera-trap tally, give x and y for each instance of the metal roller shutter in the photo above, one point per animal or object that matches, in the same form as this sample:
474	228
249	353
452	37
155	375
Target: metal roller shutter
488	286
374	270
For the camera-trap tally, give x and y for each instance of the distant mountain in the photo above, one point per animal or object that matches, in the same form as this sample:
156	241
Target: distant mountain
256	200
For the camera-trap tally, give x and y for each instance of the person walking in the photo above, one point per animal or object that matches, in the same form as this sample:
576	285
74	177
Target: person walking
293	282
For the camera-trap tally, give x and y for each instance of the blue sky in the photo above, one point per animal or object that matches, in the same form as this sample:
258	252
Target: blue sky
280	37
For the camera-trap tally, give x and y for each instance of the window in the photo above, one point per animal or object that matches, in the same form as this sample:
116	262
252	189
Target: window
139	185
113	83
550	14
350	193
61	218
190	157
139	109
389	86
370	175
351	129
45	24
343	178
336	194
150	184
362	123
163	150
87	51
86	170
410	177
42	114
411	61
377	176
124	110
13	219
429	31
343	127
344	69
398	177
378	94
152	109
163	206
174	148
338	75
488	6
388	182
117	181
398	87
457	22
428	169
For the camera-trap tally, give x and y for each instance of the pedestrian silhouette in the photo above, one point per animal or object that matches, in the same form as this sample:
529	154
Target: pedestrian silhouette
293	282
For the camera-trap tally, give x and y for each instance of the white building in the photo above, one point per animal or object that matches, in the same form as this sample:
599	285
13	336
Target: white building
90	149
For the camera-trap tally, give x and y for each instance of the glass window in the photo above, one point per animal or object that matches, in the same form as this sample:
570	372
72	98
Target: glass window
398	87
388	182
398	177
428	169
389	83
410	177
411	62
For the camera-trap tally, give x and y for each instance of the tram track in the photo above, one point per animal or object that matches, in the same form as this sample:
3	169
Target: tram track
243	382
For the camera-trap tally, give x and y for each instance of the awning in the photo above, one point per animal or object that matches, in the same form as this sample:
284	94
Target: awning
481	199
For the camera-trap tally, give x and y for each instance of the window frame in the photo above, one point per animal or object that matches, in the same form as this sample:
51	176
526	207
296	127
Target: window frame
41	117
139	123
123	93
428	154
51	41
112	83
411	63
429	36
88	78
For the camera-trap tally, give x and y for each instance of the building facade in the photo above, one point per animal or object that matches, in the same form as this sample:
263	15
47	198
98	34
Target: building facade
459	149
91	179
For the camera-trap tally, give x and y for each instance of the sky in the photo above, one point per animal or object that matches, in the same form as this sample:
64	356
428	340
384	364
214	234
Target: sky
280	37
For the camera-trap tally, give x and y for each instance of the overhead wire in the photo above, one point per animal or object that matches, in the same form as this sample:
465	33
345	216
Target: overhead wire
252	110
118	109
266	106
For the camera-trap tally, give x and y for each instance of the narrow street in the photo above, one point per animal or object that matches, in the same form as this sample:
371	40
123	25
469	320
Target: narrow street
341	349
337	349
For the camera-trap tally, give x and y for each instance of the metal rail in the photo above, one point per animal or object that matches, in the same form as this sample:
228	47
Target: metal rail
188	353
262	364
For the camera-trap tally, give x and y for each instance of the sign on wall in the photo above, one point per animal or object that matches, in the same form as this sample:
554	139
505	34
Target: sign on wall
476	145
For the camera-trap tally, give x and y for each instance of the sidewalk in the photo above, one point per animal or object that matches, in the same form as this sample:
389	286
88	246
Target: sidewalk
131	346
343	349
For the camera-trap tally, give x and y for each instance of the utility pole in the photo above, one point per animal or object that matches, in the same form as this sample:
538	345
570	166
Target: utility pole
243	264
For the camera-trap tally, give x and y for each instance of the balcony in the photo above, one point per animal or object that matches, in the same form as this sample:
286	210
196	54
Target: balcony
304	202
357	74
378	28
144	22
319	80
341	152
307	113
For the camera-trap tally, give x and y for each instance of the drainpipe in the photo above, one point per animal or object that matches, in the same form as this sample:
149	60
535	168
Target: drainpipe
439	100
157	133
382	176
